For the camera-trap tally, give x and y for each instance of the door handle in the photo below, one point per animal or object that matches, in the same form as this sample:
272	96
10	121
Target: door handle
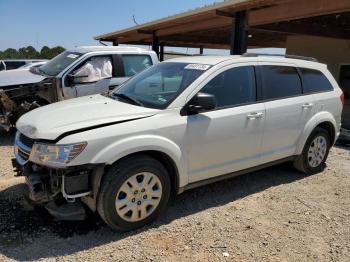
307	105
255	115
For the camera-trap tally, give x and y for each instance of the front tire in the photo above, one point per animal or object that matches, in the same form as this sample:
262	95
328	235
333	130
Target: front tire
134	192
315	152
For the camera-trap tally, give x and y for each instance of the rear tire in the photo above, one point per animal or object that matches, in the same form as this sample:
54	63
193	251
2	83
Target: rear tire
134	192
315	152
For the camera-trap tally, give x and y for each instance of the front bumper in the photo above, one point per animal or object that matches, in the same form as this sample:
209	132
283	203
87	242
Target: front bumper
62	191
47	184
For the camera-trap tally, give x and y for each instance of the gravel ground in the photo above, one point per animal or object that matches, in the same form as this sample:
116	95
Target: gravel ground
271	215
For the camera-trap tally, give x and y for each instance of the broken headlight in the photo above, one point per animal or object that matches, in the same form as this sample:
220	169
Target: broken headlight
55	155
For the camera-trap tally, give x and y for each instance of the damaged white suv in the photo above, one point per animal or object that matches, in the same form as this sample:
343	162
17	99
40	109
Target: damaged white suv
85	70
177	125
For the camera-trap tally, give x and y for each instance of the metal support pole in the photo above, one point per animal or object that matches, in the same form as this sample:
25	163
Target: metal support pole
201	50
161	54
155	44
239	34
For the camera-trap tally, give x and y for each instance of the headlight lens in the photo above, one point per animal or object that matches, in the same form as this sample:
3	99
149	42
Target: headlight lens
55	155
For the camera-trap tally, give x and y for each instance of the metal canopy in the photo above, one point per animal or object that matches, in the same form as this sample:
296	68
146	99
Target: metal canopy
237	24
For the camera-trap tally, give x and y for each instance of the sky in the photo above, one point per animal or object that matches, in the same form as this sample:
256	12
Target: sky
71	23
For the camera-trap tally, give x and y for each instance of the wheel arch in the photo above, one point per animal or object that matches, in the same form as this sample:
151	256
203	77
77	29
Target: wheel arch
324	120
160	148
163	158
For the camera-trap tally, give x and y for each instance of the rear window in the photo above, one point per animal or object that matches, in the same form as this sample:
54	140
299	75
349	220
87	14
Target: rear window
280	82
134	64
315	81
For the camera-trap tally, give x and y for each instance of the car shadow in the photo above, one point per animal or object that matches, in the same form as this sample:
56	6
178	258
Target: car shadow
22	229
345	146
7	138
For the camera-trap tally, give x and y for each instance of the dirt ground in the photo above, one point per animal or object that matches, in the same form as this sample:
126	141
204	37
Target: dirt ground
276	214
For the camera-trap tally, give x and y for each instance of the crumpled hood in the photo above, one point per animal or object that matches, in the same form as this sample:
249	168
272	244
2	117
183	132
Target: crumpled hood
51	121
18	77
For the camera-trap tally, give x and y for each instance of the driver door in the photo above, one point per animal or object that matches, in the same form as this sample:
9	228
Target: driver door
93	76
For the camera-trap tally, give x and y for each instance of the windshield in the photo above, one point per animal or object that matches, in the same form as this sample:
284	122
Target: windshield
60	62
159	85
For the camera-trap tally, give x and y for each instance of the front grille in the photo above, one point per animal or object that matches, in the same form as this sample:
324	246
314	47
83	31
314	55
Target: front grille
23	147
26	140
23	154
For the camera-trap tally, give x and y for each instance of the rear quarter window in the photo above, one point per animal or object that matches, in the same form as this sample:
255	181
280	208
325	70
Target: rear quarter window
315	81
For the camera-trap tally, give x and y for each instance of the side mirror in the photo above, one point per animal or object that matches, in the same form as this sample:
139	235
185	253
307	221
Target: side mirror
202	102
73	79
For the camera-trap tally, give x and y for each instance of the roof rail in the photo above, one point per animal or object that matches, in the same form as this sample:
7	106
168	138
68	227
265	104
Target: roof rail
312	59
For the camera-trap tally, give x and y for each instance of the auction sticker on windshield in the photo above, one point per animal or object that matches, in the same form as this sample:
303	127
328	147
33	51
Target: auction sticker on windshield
197	67
73	56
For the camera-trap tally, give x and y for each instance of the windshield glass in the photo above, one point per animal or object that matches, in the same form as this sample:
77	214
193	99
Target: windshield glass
159	85
60	62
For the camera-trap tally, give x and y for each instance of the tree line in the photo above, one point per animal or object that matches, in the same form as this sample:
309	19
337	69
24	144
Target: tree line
30	52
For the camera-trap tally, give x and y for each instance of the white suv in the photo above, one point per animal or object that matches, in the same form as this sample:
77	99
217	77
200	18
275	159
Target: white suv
177	125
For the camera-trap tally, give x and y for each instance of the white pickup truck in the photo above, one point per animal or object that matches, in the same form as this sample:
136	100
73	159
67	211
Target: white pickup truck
78	72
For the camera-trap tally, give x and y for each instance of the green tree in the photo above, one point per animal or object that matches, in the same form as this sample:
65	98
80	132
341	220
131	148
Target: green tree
28	52
10	53
56	51
45	52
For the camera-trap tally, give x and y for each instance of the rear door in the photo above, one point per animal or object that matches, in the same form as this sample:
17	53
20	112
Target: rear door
287	110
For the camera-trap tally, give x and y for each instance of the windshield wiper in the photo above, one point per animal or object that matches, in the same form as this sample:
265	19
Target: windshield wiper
125	97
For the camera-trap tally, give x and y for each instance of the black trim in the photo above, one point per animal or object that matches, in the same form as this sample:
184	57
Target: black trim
234	174
259	87
95	127
301	79
118	66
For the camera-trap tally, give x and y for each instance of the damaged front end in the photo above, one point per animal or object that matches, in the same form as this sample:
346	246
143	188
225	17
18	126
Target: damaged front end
16	100
7	107
62	191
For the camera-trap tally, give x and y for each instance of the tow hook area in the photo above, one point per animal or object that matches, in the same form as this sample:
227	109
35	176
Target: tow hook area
37	189
67	211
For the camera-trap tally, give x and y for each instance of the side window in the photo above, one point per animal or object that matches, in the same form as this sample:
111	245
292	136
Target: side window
236	86
94	69
134	64
315	81
14	64
279	82
2	66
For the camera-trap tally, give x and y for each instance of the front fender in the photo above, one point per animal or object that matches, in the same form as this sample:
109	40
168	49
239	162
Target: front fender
131	145
317	119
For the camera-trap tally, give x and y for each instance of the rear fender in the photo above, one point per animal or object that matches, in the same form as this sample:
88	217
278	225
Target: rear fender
317	119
